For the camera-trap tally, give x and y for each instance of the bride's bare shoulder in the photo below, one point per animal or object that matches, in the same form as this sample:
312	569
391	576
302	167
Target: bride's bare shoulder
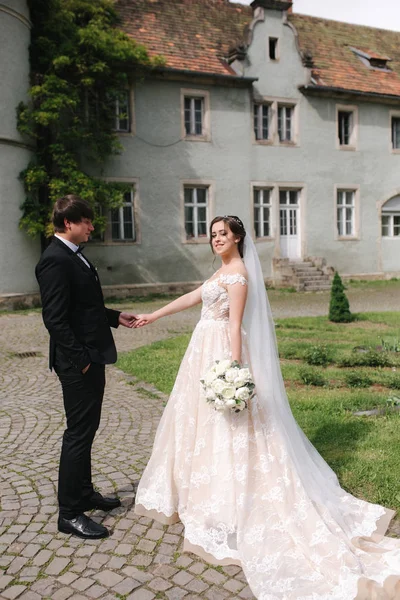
237	269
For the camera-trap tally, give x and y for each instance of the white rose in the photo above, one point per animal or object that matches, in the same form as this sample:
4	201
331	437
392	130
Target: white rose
241	405
218	385
210	394
230	403
245	374
209	378
219	404
222	367
242	393
228	392
239	382
231	374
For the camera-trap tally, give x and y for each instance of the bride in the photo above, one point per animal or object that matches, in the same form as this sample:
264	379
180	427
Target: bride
249	487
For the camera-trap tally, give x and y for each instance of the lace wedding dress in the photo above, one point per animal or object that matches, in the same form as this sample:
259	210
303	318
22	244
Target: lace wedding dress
233	481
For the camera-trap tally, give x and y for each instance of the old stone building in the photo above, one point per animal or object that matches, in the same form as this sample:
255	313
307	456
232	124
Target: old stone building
289	121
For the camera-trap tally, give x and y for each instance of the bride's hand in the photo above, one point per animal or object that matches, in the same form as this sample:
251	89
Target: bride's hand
144	319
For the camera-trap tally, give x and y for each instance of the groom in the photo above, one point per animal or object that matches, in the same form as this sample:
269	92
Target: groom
81	344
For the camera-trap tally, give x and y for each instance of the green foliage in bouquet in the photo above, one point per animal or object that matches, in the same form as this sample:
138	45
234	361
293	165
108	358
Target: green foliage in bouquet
80	64
339	308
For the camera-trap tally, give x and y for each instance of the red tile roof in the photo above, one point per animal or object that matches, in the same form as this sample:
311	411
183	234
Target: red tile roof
197	35
194	35
337	66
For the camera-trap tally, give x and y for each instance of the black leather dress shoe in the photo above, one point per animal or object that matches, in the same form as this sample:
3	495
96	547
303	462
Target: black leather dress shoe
101	503
82	527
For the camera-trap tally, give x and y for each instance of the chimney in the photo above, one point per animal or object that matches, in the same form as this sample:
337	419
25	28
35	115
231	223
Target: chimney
273	4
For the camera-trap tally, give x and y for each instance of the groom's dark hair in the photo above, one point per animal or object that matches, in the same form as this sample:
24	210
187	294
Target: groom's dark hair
70	207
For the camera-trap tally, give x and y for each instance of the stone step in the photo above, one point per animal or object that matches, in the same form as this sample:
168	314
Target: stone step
310	276
316	288
316	281
307	277
306	272
302	266
298	264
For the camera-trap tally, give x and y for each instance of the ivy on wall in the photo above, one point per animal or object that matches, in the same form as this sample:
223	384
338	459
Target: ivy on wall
80	62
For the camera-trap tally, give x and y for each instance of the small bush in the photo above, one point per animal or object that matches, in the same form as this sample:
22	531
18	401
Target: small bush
394	382
339	307
312	377
393	401
367	359
318	355
356	379
391	345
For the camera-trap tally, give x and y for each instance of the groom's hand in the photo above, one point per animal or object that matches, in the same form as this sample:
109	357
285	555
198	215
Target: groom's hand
127	320
144	319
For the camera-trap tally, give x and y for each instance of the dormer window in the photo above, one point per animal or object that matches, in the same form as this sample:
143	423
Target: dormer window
378	63
372	59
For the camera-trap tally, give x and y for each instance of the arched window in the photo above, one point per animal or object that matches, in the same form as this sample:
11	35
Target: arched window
391	217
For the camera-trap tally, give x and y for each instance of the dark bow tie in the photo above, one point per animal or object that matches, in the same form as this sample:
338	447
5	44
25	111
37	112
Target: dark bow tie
80	250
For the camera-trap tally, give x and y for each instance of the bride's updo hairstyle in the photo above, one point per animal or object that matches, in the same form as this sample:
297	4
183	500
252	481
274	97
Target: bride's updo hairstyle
235	225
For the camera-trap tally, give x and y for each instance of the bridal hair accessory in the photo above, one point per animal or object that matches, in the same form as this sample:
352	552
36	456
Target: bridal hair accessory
228	386
238	221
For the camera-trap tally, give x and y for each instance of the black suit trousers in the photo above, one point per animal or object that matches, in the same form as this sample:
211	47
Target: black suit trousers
83	398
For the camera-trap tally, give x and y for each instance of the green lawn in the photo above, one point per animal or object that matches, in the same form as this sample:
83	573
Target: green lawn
364	451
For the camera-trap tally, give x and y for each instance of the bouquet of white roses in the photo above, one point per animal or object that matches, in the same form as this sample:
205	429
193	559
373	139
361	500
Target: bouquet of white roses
228	386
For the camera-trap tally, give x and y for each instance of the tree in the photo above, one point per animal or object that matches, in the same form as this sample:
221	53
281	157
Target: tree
80	63
339	308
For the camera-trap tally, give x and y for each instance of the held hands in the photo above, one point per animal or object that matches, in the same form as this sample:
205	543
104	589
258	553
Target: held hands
144	319
127	320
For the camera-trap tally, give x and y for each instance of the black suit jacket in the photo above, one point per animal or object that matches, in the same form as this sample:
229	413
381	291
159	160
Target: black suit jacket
73	309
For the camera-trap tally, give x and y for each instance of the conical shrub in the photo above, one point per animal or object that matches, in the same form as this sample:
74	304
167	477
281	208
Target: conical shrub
339	307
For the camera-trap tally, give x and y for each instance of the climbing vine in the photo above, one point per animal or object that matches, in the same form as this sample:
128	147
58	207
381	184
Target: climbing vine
81	63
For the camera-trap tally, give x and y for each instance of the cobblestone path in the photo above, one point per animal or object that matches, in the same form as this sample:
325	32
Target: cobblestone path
142	559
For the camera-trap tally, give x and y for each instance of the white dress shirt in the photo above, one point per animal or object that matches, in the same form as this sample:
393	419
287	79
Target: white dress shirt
73	247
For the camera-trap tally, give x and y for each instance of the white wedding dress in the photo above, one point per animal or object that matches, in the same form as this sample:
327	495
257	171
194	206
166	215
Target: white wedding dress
233	481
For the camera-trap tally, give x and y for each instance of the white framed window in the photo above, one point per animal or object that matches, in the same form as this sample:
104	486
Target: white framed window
289	197
391	225
196	205
391	218
346	123
285	123
261	121
395	130
346	213
122	220
289	202
123	112
262	212
122	225
195	115
275	121
119	107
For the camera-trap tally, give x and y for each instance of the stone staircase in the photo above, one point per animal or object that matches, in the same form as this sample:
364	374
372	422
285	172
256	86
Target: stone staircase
309	275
